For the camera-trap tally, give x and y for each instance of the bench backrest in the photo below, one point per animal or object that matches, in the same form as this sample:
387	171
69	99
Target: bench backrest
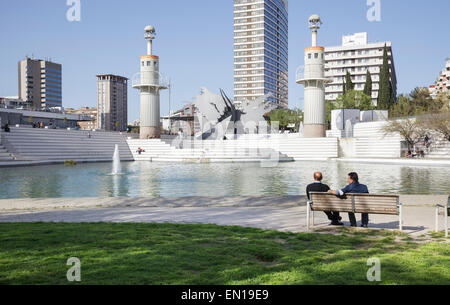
356	203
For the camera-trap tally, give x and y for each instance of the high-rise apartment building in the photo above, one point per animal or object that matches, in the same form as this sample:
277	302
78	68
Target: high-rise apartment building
40	83
357	55
112	102
261	50
442	84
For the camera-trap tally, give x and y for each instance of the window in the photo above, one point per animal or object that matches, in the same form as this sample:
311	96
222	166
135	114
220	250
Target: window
309	55
148	63
316	55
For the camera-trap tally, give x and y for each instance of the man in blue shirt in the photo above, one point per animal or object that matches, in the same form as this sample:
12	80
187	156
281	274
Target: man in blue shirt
354	187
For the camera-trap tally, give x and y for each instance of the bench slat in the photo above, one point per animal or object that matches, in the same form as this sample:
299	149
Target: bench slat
363	203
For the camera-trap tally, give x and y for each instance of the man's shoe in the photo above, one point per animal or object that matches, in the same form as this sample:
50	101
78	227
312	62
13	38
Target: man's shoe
365	226
336	223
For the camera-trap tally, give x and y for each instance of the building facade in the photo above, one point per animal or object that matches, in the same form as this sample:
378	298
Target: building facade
182	119
40	83
442	84
86	112
357	56
13	102
261	50
112	102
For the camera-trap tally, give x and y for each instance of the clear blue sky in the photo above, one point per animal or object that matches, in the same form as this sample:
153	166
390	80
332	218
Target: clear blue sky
195	41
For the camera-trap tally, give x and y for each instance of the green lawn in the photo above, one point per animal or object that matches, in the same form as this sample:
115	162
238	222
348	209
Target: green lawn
208	254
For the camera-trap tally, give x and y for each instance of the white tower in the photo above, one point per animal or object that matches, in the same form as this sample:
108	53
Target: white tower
149	83
314	81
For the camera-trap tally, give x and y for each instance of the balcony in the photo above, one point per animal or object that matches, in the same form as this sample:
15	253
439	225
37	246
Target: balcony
150	79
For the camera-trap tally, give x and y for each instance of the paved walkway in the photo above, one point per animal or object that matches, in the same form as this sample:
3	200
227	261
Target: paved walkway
417	220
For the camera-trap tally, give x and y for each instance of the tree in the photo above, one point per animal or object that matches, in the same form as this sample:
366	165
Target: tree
354	99
438	122
286	117
404	108
329	106
343	87
368	86
348	82
421	97
385	94
410	129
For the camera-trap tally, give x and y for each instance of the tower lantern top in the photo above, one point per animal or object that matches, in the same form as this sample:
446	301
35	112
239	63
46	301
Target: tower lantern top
150	34
314	23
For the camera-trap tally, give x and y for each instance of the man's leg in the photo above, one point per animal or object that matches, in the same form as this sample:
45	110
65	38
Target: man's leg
365	219
337	216
352	218
330	215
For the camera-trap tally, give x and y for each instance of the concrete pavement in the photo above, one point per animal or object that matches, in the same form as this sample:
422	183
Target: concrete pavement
417	220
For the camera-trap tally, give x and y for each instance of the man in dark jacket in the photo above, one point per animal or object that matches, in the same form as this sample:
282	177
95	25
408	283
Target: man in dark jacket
354	187
318	186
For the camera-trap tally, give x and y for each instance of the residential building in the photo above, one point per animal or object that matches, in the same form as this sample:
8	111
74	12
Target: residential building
40	83
182	119
85	112
442	84
357	56
112	102
261	50
13	102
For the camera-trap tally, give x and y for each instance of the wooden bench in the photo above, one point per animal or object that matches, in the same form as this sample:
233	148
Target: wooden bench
446	215
356	203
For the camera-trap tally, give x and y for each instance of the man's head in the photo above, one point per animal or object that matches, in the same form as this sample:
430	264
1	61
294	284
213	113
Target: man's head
318	176
352	178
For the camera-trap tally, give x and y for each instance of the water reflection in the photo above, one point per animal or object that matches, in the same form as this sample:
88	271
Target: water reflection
145	179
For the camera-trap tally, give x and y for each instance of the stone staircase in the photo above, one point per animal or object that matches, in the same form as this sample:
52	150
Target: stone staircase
58	145
5	156
243	149
438	150
159	151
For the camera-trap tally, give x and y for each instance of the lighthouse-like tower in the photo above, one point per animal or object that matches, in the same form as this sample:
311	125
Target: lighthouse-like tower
314	81
150	84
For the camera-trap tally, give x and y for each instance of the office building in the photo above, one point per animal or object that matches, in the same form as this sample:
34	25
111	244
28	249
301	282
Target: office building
40	83
356	55
112	102
261	50
442	84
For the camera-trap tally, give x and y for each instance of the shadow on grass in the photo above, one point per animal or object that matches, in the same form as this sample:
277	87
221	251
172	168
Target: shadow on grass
210	255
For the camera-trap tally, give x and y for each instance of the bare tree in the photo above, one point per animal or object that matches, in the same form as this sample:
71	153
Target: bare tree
410	129
438	122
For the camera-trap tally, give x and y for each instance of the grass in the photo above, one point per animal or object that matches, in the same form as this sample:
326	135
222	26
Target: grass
208	254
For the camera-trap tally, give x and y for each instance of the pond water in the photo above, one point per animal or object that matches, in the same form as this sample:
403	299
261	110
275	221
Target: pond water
145	179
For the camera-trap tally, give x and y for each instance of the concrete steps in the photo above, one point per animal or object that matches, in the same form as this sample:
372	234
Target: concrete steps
288	148
159	151
60	145
5	156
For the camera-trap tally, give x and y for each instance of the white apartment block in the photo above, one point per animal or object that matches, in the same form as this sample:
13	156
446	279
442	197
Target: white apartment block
443	82
356	55
261	50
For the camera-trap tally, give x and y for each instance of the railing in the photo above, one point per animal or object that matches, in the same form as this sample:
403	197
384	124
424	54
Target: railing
300	73
151	79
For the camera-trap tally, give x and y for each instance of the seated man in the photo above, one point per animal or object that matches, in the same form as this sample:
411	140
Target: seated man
318	186
354	187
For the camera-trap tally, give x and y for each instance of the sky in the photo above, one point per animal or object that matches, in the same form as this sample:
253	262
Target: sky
195	42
